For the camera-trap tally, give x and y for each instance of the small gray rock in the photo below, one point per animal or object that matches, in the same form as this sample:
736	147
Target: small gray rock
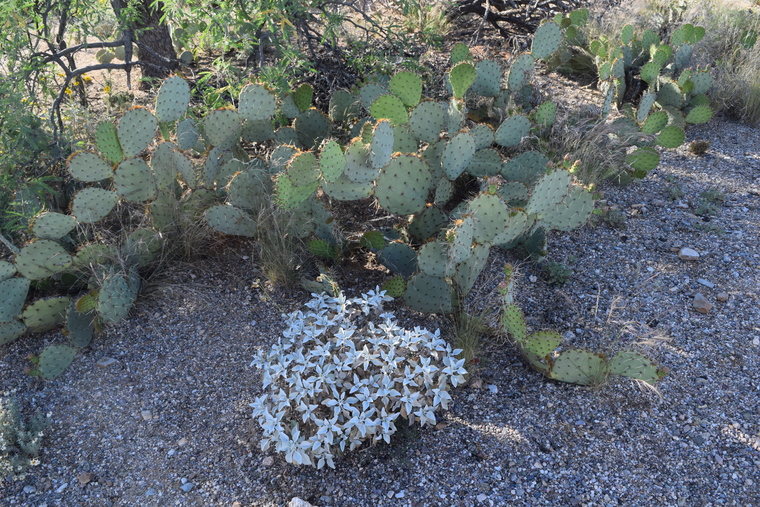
106	362
297	502
187	487
688	254
29	490
701	304
705	282
722	297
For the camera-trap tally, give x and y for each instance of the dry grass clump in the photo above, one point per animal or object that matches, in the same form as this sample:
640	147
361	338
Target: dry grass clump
280	250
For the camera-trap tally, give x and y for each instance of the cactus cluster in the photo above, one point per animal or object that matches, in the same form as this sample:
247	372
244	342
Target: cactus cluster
544	351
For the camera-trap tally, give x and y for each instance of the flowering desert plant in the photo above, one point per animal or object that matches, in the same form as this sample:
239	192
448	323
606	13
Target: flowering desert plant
341	375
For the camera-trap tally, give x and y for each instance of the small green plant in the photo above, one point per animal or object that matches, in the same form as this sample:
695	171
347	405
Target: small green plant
20	438
675	192
709	202
556	273
612	217
699	148
468	331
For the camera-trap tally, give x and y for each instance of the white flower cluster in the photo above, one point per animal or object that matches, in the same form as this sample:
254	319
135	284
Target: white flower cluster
336	379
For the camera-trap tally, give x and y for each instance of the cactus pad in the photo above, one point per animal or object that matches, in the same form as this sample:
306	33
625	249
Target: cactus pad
513	322
136	130
391	108
88	167
381	148
249	189
578	366
173	99
7	270
513	193
460	239
427	223
222	128
526	168
433	259
549	191
671	136
116	297
51	225
546	40
342	106
141	246
187	134
403	185
107	141
521	67
462	76
256	103
54	359
545	114
699	114
429	294
490	214
643	159
488	78
45	314
457	154
483	135
332	161
79	326
303	96
289	194
514	227
427	121
14	291
394	287
572	212
42	258
467	272
403	140
358	168
512	130
344	189
231	220
134	180
369	93
485	162
636	366
398	258
312	127
303	168
645	106
11	330
407	86
655	122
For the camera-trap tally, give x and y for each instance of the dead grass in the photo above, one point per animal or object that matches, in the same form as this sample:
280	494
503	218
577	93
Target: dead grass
280	251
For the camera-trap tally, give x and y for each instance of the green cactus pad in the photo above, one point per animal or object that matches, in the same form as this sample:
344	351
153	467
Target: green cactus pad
369	93
636	366
303	96
521	67
483	135
671	136
546	40
427	223
373	240
545	114
249	189
394	287
173	99
669	93
433	259
280	157
485	162
432	155
14	291
513	322
457	154
429	294
303	168
526	168
11	330
542	343
92	254
7	270
358	168
107	141
88	167
515	226
187	134
702	82
407	86
45	314
512	130
332	161
230	220
257	131
344	189
42	258
460	238
51	225
256	103
655	122
222	128
460	53
643	159
548	192
682	56
650	72
403	140
455	115
491	214
322	249
288	107
289	195
572	212
381	147
391	108
427	121
141	246
514	192
467	272
398	258
136	130
343	105
54	359
462	76
645	106
79	326
312	127
403	185
581	367
444	191
699	114
488	78
116	297
134	180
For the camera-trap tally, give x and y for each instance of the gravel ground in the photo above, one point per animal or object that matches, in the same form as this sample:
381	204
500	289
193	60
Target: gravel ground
168	422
